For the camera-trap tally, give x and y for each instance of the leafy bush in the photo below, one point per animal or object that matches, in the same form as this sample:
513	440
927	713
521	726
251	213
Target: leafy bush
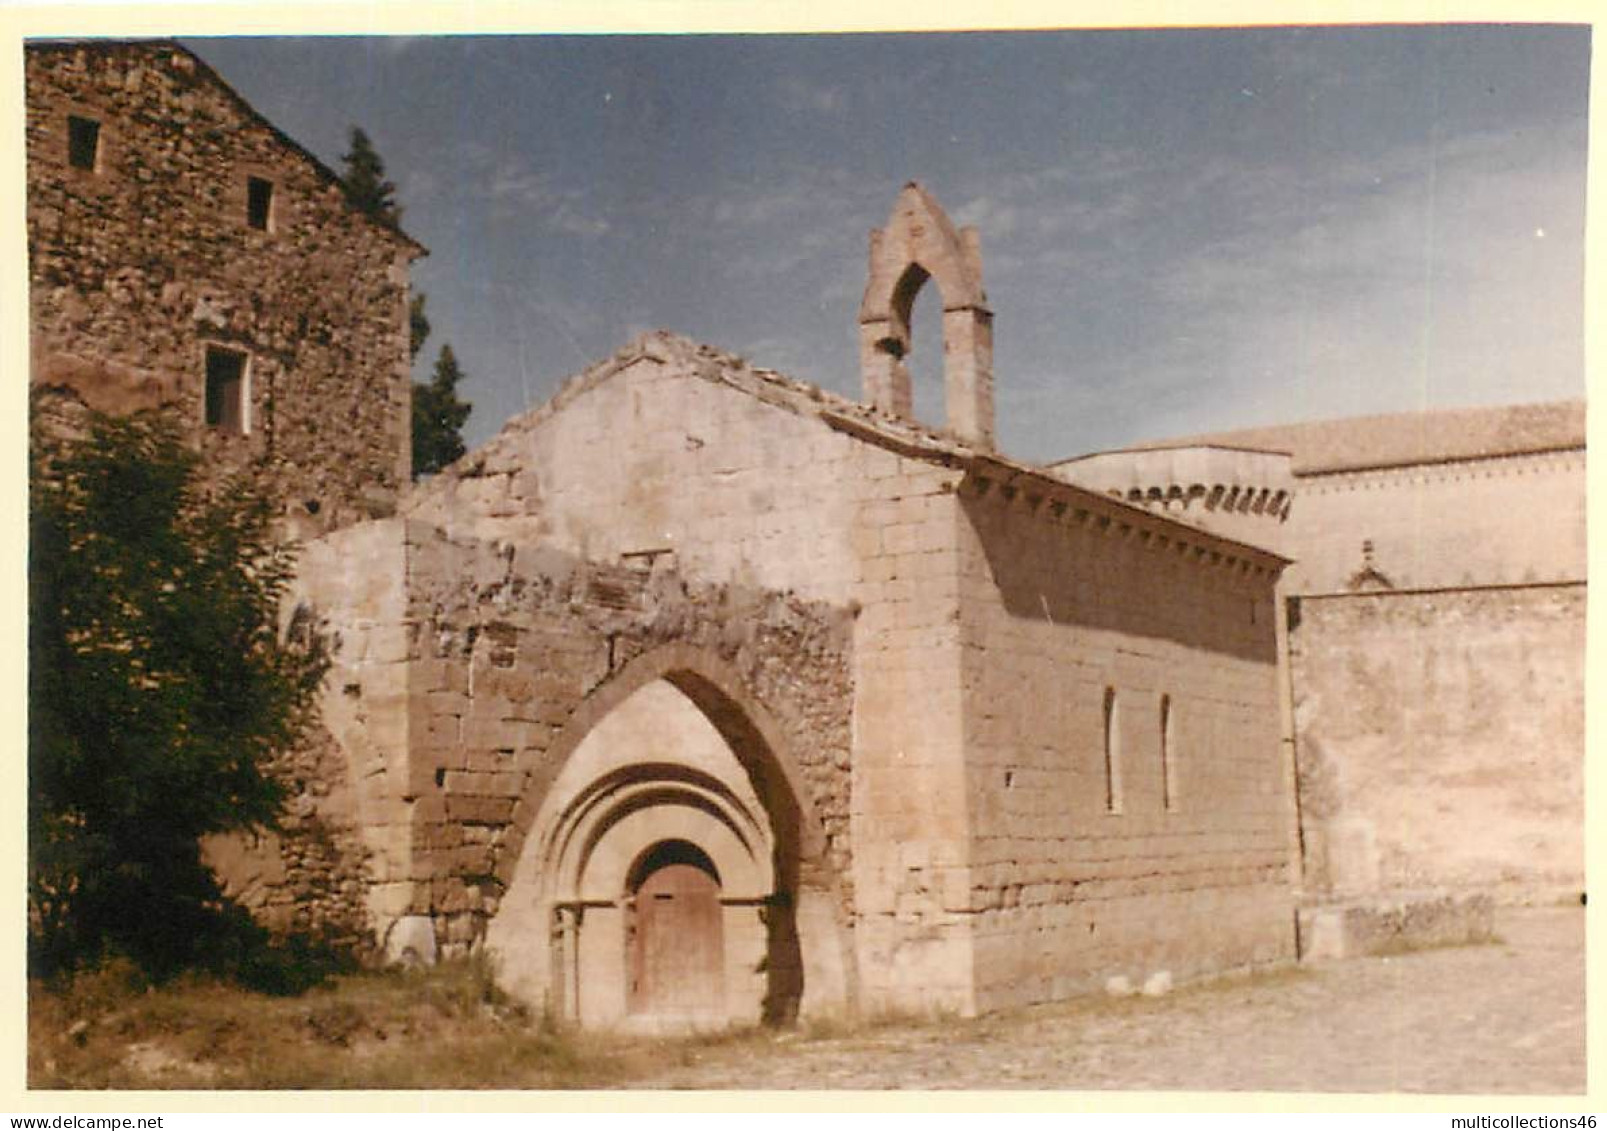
159	688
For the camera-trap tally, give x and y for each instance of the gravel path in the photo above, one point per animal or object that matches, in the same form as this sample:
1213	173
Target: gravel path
1508	1017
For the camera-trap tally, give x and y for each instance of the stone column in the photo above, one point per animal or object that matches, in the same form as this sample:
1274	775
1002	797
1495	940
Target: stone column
881	362
968	374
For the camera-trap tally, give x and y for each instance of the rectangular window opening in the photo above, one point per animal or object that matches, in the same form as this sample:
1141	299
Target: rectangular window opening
259	203
83	142
226	390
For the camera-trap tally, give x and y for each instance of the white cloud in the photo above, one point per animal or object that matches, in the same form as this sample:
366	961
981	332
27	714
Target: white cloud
1416	282
801	95
508	186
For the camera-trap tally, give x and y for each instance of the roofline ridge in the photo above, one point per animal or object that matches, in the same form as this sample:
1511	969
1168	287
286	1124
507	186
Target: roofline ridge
256	115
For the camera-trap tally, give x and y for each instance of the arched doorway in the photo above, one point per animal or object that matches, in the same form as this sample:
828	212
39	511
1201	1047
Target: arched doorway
675	934
668	766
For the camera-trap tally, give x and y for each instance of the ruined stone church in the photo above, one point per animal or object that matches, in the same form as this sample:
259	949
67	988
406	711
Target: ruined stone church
700	695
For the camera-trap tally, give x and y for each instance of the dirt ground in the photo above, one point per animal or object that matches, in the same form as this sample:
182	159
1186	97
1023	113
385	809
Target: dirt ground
1506	1017
1502	1018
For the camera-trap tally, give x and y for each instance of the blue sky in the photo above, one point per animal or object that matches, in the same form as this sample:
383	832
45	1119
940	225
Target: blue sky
1182	230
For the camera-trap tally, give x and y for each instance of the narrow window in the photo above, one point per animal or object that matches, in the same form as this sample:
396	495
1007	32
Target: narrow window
259	202
83	142
1168	784
226	390
1113	742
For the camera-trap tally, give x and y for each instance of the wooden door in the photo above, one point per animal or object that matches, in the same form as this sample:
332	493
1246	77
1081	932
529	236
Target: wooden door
678	959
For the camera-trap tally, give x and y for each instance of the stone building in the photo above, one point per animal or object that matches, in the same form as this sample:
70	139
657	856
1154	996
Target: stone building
183	251
1436	642
701	695
711	696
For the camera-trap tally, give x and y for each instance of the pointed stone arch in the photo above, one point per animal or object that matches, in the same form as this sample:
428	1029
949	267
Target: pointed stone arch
920	244
575	841
748	727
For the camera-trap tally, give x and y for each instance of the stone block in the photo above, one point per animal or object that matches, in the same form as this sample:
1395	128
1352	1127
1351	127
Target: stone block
1386	923
411	941
480	810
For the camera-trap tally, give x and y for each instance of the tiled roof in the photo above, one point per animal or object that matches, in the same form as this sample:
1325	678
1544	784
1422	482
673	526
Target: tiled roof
1410	437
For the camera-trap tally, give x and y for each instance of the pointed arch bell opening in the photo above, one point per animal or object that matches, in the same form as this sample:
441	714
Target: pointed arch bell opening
919	244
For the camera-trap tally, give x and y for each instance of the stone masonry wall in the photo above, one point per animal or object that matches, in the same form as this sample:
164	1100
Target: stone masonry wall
138	265
309	877
344	866
508	642
1178	856
912	827
1441	740
668	451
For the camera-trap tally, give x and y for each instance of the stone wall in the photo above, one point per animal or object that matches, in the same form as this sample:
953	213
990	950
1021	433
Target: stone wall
669	451
465	674
143	262
912	823
309	877
344	864
1441	740
1499	520
508	645
1131	810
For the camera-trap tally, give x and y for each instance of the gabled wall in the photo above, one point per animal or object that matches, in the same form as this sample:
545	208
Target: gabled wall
641	460
673	456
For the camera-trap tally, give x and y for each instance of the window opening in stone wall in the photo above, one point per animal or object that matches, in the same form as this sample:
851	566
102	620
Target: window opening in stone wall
83	142
259	202
928	399
1168	784
1113	742
226	390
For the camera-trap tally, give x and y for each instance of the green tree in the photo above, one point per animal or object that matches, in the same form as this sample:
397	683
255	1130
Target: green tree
159	689
364	180
438	416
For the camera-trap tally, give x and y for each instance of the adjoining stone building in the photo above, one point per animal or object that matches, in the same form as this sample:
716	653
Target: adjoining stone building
183	251
699	694
1436	643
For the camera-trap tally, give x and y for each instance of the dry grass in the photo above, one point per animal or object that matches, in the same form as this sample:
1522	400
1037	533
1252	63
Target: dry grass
446	1027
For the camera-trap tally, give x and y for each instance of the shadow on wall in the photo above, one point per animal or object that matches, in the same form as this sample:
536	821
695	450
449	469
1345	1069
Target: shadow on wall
1091	575
784	970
